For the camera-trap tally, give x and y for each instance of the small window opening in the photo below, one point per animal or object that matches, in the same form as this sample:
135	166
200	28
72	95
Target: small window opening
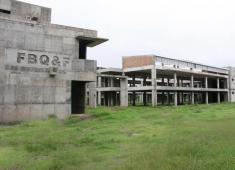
28	18
232	92
232	79
5	11
34	18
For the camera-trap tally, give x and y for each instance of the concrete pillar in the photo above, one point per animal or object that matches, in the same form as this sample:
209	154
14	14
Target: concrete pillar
192	98
99	98
168	81
123	92
206	82
175	79
111	82
163	83
192	81
207	100
176	98
182	98
218	97
218	83
154	85
92	94
144	95
133	93
99	92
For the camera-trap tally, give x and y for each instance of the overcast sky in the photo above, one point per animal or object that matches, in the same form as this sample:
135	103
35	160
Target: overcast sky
197	30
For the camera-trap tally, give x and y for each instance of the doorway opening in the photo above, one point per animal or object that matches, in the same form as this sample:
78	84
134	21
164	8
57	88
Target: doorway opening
78	97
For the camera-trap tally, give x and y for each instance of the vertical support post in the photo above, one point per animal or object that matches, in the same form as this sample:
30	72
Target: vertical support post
176	98
228	88
207	100
218	87
192	98
192	86
182	98
218	97
154	85
99	92
144	96
92	94
176	94
206	86
124	92
133	94
175	79
206	82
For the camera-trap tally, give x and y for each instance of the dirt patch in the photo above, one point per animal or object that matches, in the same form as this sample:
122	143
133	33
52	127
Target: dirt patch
83	117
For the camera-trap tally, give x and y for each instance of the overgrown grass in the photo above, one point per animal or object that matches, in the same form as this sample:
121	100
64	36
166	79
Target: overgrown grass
135	138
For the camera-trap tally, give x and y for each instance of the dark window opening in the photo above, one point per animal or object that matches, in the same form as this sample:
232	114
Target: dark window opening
83	48
34	18
232	79
5	11
78	97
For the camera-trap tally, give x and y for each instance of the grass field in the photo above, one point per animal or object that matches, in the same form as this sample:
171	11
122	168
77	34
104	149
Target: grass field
135	138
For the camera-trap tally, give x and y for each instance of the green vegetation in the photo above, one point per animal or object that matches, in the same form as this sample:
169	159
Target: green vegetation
135	138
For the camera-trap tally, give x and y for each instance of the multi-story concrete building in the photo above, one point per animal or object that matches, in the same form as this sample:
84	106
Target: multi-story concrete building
166	81
43	66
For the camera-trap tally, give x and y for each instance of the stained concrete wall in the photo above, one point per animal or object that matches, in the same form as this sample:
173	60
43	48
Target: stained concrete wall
27	54
24	11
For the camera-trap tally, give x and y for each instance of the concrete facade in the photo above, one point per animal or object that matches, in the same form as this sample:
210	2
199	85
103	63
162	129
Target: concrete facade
155	80
44	68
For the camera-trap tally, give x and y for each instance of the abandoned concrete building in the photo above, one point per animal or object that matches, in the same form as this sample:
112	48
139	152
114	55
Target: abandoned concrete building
44	67
155	80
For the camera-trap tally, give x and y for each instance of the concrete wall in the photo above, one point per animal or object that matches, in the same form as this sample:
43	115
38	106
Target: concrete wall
28	53
24	11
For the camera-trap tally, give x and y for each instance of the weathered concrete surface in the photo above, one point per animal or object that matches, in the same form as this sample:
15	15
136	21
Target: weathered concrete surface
38	61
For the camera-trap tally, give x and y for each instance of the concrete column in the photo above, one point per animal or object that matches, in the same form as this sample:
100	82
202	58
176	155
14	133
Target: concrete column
182	98
192	81
206	82
175	79
154	85
218	97
163	83
176	98
99	98
133	93
144	95
112	99
99	92
192	98
168	81
123	92
218	83
207	100
218	93
92	94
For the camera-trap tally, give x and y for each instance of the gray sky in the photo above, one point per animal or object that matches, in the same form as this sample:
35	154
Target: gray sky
198	30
